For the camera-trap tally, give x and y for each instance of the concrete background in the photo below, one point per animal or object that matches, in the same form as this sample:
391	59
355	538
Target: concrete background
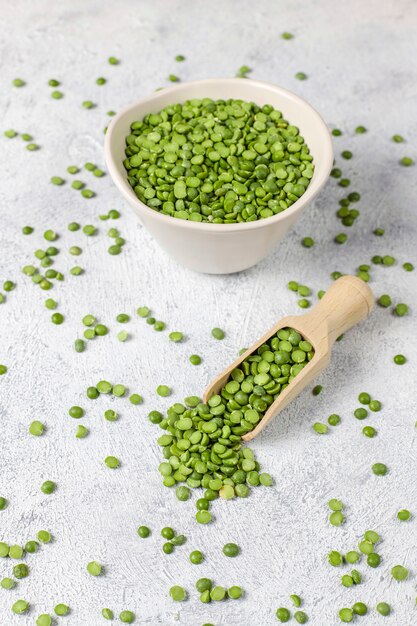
360	60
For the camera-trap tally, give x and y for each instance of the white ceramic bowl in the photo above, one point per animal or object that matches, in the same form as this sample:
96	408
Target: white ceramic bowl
221	248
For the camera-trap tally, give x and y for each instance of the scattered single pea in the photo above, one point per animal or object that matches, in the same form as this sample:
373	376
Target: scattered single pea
57	318
235	592
341	238
384	300
119	390
31	546
334	419
401	309
383	608
163	391
360	413
243	71
296	600
79	345
336	518
404	515
183	493
15	552
89	230
335	505
196	557
195	359
346	615
352	556
375	405
369	431
335	558
36	428
81	432
94	568
177	593
168	547
231	549
399	573
399	359
48	487
379	469
406	161
127	617
218	333
388	260
144	532
203	517
301	76
283	615
373	559
112	462
107	614
76	412
20	606
320	428
218	593
359	608
307	242
44	536
135	398
176	336
347	580
103	386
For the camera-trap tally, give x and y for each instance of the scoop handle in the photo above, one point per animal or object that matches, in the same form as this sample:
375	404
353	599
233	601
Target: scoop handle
348	301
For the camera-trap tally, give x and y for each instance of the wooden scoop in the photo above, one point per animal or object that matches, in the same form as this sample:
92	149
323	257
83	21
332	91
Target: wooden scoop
348	301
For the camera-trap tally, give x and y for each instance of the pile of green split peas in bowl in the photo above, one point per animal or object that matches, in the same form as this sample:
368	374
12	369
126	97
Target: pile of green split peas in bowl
220	162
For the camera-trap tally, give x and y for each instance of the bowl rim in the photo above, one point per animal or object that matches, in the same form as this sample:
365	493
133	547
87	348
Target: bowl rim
312	190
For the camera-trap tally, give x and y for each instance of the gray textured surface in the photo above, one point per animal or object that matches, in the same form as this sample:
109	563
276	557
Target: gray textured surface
360	60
